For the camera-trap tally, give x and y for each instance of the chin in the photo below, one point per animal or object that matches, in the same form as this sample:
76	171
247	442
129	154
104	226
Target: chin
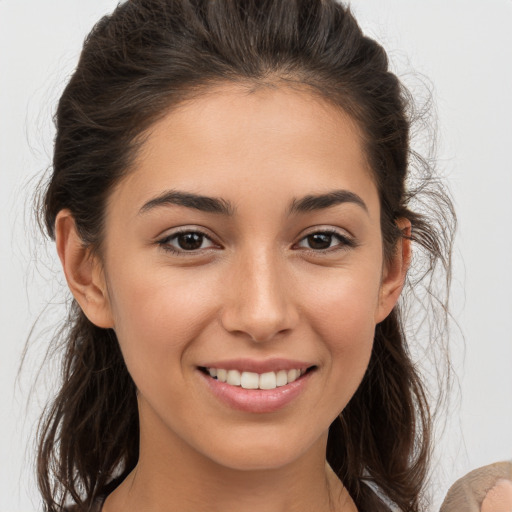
260	454
262	461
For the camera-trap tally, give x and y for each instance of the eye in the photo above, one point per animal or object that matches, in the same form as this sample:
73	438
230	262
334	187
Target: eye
186	241
325	240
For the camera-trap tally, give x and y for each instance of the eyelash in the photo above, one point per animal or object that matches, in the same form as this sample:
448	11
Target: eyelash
345	242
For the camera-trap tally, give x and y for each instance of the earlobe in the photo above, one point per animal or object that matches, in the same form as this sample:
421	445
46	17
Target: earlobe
395	272
83	271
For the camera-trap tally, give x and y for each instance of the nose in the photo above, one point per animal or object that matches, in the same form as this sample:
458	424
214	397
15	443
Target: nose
259	301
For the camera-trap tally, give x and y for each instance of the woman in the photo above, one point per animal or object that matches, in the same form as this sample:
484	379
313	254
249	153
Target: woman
229	205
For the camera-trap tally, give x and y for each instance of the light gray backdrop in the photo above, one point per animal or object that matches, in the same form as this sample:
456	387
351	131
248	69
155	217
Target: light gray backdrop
464	47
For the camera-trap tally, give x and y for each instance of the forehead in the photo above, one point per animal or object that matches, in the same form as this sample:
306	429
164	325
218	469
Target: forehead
233	140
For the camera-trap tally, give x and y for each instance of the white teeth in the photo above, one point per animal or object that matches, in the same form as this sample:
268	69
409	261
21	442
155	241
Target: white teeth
268	380
292	375
249	380
252	380
233	377
281	378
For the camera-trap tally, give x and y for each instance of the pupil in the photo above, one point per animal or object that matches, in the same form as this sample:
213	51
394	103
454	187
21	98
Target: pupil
190	241
319	241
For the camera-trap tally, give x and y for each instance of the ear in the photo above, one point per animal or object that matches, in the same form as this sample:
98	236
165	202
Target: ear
83	271
395	272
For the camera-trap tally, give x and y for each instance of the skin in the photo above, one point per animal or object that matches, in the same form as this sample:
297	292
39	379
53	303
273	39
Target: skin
257	290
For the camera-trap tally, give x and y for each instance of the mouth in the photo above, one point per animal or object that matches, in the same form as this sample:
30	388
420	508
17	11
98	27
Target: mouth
252	380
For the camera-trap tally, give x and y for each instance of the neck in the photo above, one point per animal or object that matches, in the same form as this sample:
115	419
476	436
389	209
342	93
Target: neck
171	476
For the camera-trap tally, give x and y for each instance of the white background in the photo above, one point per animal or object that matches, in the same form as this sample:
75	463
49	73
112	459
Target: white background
463	46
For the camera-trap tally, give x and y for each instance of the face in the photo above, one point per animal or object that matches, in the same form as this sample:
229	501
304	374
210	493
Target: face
246	243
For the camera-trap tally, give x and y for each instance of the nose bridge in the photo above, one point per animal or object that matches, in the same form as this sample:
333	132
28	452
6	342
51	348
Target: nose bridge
259	302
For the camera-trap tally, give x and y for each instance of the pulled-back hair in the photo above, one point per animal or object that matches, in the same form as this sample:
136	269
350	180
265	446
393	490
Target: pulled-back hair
139	63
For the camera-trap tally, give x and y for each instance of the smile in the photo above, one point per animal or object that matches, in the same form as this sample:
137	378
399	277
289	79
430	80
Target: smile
253	380
255	392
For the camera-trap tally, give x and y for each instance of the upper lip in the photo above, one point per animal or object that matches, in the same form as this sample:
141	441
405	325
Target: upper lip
258	366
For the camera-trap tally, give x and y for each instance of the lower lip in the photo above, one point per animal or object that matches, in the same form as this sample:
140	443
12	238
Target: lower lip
256	400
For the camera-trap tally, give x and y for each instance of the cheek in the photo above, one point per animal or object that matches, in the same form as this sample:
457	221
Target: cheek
157	315
342	313
342	306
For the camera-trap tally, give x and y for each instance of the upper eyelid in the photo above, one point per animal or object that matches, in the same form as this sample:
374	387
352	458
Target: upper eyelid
331	232
203	231
183	230
342	233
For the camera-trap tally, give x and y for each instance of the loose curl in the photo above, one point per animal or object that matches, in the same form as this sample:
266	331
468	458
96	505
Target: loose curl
136	65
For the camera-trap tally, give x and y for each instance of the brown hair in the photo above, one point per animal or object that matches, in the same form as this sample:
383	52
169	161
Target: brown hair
136	64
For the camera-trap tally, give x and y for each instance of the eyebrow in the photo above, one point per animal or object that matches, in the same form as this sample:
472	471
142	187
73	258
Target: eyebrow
322	201
223	207
189	200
